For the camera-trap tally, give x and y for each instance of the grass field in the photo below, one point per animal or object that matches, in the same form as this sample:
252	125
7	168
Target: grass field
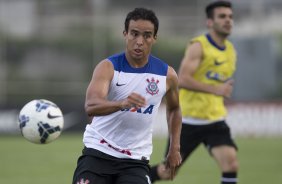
26	163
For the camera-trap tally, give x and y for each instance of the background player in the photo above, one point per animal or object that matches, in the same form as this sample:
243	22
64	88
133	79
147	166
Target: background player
205	80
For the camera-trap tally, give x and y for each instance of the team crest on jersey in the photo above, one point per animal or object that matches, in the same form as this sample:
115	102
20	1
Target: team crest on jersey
152	87
82	181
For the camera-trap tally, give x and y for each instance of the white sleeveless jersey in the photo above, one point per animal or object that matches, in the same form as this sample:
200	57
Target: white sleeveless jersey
128	133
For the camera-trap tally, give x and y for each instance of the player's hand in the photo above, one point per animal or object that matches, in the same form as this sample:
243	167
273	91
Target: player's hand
225	89
134	100
173	161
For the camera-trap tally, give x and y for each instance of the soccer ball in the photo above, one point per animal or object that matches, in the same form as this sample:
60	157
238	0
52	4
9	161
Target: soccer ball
41	121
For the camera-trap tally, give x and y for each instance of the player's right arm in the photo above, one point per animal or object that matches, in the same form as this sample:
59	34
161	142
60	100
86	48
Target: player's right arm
96	102
189	65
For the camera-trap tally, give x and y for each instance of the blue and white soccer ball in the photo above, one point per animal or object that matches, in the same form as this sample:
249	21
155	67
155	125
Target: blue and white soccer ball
41	121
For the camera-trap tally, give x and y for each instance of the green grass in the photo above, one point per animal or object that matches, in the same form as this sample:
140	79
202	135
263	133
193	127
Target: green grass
260	163
27	163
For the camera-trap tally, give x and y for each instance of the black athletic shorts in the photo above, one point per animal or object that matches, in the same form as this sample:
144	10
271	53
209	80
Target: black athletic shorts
211	135
95	167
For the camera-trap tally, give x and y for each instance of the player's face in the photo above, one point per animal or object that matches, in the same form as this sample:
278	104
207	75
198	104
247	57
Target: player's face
139	39
222	21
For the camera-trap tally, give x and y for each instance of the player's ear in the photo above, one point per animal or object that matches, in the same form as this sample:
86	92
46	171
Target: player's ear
155	38
124	33
209	23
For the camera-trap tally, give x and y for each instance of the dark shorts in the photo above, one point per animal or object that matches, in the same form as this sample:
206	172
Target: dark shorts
95	167
211	135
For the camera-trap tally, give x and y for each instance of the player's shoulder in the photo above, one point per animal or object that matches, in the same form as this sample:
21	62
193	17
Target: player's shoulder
117	60
172	78
198	42
228	43
157	61
104	67
159	66
200	38
171	72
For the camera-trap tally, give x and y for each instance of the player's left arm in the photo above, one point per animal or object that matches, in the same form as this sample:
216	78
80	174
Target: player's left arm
174	122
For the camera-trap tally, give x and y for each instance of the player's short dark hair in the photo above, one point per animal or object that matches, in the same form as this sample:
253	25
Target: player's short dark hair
210	7
143	14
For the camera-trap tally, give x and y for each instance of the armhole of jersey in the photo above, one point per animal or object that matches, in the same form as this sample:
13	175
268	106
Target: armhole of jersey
114	64
202	43
166	78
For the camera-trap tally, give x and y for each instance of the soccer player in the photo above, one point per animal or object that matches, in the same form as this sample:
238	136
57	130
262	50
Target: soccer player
123	97
205	79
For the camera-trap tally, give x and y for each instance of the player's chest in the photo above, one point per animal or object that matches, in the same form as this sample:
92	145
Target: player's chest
148	85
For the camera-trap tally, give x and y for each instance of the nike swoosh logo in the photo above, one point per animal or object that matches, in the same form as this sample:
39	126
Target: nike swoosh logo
217	63
51	116
117	84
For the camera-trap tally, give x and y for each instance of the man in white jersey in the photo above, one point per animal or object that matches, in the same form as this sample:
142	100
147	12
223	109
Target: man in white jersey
123	98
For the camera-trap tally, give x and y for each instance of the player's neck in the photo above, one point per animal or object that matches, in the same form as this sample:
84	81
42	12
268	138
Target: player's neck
218	39
136	63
